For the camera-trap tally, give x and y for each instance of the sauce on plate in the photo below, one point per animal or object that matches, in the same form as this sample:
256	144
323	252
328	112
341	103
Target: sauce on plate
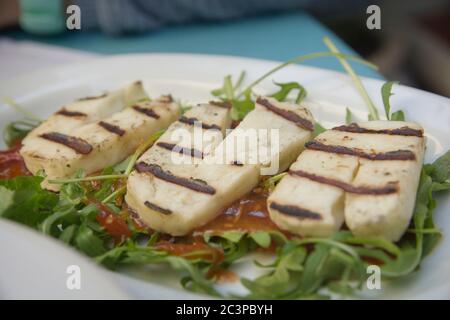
11	163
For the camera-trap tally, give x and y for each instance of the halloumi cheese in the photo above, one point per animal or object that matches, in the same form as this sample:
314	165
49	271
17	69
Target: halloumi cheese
178	200
96	145
365	173
157	189
89	109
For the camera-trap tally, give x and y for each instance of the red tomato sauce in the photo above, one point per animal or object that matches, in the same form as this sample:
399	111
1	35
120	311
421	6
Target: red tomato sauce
11	163
246	214
193	249
114	224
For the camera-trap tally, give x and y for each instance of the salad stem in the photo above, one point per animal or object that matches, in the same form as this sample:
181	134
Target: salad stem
302	58
93	178
9	101
141	149
373	112
115	194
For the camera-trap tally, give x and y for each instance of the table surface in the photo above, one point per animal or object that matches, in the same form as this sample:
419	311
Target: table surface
274	37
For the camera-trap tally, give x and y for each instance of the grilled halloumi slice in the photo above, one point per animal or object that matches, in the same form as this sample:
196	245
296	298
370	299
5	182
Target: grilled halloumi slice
272	135
307	207
187	141
175	155
89	109
94	146
178	200
366	172
388	215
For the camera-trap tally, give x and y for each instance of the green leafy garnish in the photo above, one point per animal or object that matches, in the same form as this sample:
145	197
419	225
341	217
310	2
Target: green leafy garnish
241	99
270	183
23	200
348	116
286	88
17	130
386	93
339	262
318	129
141	149
373	112
301	59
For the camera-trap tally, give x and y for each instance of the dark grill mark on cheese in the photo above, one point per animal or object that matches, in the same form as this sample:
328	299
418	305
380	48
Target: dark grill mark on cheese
403	131
93	97
287	114
68	113
148	112
388	189
155	207
182	150
111	128
136	218
77	144
157	171
222	104
391	155
196	122
295	211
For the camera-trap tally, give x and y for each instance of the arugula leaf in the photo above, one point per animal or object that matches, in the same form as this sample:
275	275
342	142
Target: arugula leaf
313	274
318	129
286	88
232	236
68	234
275	283
386	93
300	59
122	166
439	171
227	91
262	238
196	280
89	243
348	116
49	225
398	116
241	107
349	238
72	193
412	252
6	198
24	201
270	183
17	130
132	254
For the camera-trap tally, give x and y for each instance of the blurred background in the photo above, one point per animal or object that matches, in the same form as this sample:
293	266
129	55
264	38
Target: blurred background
412	44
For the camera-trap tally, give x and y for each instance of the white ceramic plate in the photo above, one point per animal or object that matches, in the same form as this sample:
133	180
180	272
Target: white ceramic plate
191	77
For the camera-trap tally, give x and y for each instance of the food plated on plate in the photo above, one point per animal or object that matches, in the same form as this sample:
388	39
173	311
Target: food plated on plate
133	178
